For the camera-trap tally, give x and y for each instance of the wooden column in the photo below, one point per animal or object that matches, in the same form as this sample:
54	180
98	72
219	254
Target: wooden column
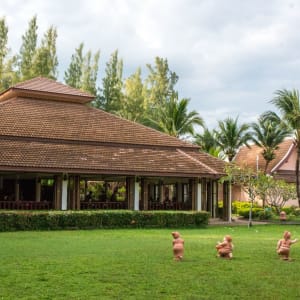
130	181
17	190
38	190
57	192
204	194
145	195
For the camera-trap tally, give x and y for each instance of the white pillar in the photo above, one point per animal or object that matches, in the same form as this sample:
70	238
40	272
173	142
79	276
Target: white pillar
64	195
136	196
199	197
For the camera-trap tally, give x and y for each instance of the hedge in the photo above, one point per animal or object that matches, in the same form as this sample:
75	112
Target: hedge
58	220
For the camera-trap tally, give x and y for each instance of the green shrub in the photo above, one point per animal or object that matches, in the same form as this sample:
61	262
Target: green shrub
238	206
265	214
55	220
244	212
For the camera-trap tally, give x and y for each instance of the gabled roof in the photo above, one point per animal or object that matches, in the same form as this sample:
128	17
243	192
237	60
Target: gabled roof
40	130
252	157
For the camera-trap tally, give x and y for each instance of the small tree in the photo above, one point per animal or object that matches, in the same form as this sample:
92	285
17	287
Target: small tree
279	192
247	179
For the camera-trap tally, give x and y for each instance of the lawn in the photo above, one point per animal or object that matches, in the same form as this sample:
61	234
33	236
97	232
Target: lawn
138	264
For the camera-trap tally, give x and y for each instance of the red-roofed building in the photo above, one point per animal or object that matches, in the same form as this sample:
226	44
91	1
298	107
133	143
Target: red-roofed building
282	167
52	143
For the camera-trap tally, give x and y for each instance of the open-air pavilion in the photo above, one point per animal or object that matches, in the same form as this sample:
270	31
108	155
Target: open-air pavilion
55	147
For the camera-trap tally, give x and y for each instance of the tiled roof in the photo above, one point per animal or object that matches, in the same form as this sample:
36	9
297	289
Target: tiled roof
43	134
88	158
71	121
41	87
252	157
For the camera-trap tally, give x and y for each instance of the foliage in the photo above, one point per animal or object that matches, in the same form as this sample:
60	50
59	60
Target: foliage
230	136
174	119
268	133
256	211
159	85
83	70
279	192
133	107
111	95
45	60
28	50
288	103
208	143
27	220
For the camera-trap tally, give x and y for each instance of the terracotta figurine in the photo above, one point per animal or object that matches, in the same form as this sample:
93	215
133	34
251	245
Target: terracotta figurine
178	247
283	246
225	248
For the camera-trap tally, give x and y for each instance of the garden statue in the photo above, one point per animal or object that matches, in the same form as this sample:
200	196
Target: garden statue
178	247
283	246
225	247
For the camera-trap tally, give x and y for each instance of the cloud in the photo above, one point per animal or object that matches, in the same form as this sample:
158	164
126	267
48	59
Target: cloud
231	56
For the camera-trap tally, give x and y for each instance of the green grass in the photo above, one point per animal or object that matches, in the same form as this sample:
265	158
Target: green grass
138	264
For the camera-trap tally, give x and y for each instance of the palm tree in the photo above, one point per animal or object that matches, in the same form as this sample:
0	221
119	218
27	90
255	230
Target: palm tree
230	136
267	134
207	142
288	104
174	119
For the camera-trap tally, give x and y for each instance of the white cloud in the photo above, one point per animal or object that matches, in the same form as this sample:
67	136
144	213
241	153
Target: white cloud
230	55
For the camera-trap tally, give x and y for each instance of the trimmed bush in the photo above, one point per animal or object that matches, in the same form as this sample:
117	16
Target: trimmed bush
57	220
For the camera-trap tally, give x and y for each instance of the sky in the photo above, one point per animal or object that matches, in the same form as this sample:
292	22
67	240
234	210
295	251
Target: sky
231	56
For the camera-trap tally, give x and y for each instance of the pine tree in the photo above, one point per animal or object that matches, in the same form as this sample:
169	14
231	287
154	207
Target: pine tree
90	72
110	98
83	70
74	72
45	61
28	50
160	83
133	107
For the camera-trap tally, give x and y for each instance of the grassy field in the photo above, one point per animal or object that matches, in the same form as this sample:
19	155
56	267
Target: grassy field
138	264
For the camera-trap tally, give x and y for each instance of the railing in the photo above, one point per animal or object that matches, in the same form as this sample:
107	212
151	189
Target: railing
103	205
26	205
167	206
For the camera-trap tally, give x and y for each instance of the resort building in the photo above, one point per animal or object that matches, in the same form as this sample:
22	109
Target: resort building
58	152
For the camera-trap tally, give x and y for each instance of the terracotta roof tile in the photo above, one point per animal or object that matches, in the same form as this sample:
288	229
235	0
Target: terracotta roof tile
44	132
43	84
41	88
71	121
248	156
106	159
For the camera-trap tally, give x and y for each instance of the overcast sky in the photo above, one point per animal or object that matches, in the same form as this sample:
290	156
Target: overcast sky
230	55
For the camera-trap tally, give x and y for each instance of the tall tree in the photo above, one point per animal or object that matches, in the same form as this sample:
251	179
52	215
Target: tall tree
110	98
268	133
89	72
288	103
45	60
83	70
174	119
28	50
230	136
74	72
133	107
160	83
3	44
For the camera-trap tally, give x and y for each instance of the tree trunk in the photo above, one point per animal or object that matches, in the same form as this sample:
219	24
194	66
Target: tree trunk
297	175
